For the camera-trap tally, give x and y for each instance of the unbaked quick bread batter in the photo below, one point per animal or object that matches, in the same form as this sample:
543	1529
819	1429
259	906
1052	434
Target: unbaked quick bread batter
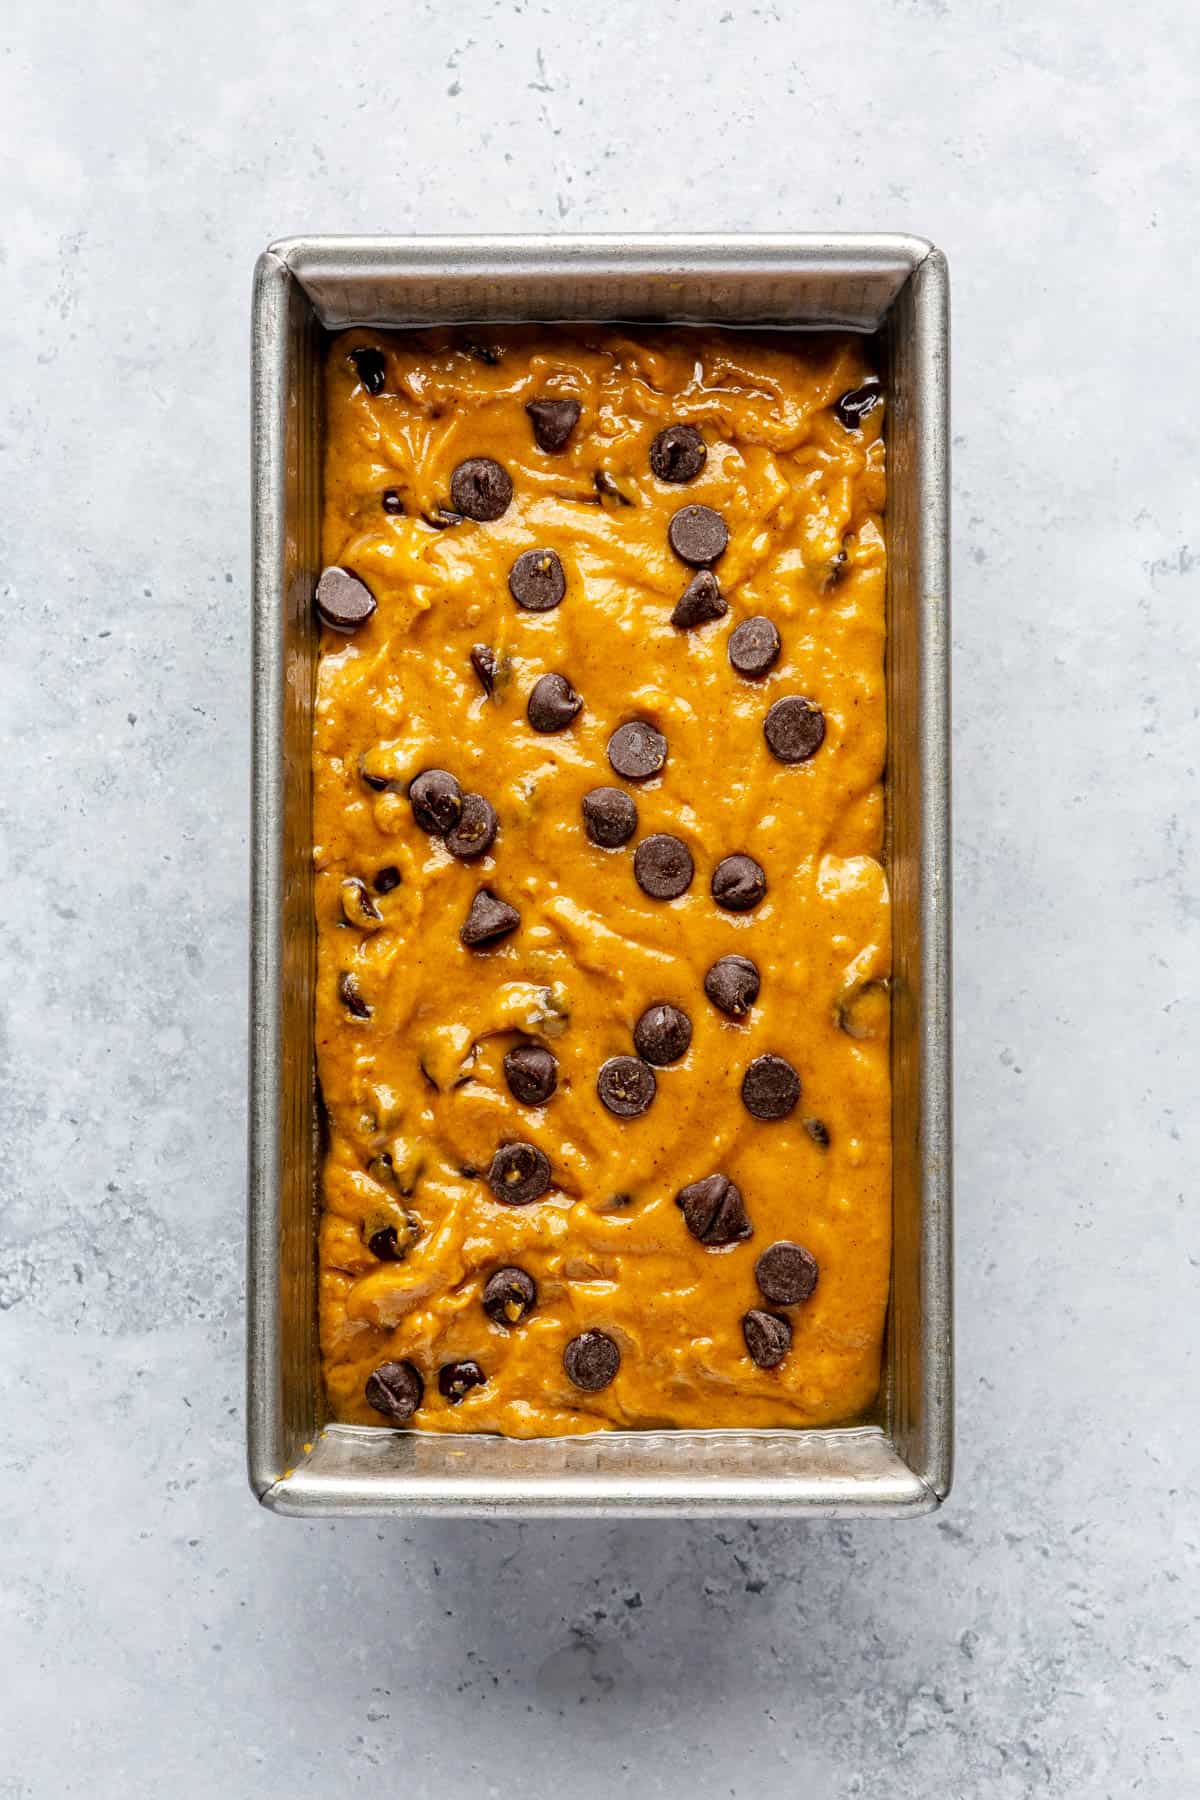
603	932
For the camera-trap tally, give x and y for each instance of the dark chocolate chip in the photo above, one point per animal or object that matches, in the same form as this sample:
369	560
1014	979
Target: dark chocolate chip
387	1243
818	1131
553	422
531	1073
714	1211
610	817
606	486
738	883
393	501
481	489
350	995
662	1034
637	750
770	1088
519	1173
509	1296
794	729
371	368
854	405
483	661
786	1273
678	453
456	1379
536	580
343	601
591	1361
484	353
358	908
475	832
663	867
700	602
490	918
754	647
732	984
378	783
436	800
626	1086
395	1389
768	1337
441	517
553	704
386	879
698	535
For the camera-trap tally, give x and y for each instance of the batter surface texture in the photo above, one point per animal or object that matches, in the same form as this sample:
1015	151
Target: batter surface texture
603	934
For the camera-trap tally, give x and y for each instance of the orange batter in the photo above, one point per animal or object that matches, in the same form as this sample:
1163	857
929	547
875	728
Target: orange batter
413	1024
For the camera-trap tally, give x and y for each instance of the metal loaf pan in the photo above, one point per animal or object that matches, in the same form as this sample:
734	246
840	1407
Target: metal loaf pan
894	287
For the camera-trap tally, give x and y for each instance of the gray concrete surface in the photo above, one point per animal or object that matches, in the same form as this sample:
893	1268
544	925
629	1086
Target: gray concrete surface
158	1636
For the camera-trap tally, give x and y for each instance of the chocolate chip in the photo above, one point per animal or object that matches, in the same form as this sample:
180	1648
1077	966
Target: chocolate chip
386	879
637	750
768	1337
854	405
343	601
732	984
536	580
698	535
738	883
385	1244
393	502
606	486
484	353
490	918
436	800
509	1296
786	1273
663	867
770	1088
714	1211
476	830
371	368
754	647
456	1379
591	1361
395	1389
531	1073
700	602
518	1174
553	422
388	1245
678	453
610	817
481	489
794	729
350	995
379	784
552	704
626	1086
483	661
662	1034
358	908
818	1131
441	517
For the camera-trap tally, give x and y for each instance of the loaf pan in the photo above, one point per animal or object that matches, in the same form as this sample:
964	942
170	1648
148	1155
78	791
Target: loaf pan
892	287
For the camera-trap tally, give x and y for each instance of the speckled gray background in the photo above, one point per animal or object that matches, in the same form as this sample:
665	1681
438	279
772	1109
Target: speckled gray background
158	1635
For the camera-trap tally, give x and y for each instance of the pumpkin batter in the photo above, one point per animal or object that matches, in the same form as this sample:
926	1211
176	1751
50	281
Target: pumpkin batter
571	978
